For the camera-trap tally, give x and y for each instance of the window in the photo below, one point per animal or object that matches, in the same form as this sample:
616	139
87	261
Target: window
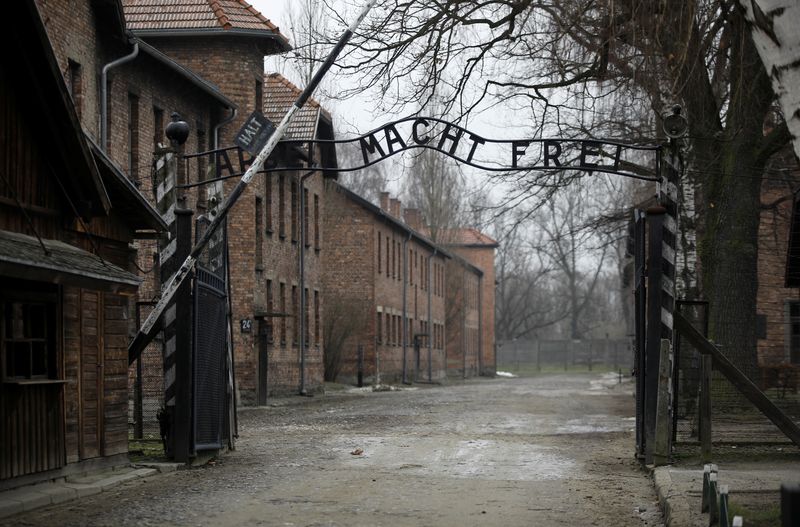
294	209
394	259
317	328
307	316
387	256
133	138
306	206
29	338
259	98
380	260
259	234
283	313
316	222
295	317
75	85
268	204
270	308
158	127
282	206
388	330
411	267
201	164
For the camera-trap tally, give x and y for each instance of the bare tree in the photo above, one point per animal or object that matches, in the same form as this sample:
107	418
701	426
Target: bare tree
342	320
555	61
368	182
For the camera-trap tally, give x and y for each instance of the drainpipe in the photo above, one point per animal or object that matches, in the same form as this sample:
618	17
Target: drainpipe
464	339
104	92
219	125
301	262
430	319
480	325
405	307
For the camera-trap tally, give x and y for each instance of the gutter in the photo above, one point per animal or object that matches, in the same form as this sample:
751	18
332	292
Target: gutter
215	32
104	92
405	306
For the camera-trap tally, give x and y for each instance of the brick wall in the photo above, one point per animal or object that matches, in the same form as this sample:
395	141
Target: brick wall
369	281
463	324
483	258
772	295
235	65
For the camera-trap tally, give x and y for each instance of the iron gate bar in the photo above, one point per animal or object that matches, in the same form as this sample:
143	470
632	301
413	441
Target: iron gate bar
640	314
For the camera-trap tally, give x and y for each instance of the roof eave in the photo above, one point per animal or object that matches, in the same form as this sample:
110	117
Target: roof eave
282	42
186	73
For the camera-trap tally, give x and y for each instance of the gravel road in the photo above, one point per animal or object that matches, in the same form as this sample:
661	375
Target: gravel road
545	450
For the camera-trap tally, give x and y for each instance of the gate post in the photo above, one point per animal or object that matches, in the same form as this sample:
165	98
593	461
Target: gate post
655	220
182	423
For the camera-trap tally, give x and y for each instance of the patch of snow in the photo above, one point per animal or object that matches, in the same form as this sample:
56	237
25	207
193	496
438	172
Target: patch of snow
505	374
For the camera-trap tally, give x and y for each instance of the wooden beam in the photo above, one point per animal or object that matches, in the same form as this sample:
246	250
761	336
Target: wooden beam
738	379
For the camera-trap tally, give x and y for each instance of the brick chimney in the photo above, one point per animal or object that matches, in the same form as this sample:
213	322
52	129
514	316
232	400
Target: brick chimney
384	196
413	218
394	208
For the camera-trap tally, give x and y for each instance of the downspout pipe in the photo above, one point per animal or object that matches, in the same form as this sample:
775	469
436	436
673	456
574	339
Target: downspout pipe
220	124
464	308
104	92
430	320
301	264
480	325
405	307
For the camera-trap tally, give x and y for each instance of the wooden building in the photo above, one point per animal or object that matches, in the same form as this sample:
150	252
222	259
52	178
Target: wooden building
66	286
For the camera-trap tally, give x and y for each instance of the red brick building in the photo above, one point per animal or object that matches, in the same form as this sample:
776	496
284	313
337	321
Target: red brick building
124	91
68	218
479	250
226	42
778	303
384	287
465	354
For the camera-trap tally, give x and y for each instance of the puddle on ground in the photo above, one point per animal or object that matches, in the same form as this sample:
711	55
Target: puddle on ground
483	459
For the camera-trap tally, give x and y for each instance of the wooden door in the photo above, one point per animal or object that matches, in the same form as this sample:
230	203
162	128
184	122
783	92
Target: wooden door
91	372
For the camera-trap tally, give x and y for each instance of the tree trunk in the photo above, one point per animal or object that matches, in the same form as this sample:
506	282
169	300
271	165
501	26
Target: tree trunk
775	34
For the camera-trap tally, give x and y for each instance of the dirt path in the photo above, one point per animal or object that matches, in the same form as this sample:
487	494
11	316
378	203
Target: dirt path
549	450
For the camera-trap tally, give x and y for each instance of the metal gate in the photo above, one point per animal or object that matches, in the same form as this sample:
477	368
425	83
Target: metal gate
209	361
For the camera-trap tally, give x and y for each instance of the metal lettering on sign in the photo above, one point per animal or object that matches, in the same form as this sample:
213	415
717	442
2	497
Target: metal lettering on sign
246	325
254	133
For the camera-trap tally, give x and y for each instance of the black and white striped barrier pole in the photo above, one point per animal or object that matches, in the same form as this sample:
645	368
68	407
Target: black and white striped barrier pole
662	249
148	328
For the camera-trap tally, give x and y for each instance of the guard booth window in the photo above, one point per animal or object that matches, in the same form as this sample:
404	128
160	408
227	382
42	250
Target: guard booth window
28	340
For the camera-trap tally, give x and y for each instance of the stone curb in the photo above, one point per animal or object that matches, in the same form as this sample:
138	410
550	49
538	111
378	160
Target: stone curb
31	497
674	505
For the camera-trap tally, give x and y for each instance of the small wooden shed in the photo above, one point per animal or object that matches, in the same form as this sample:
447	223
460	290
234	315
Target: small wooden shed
65	272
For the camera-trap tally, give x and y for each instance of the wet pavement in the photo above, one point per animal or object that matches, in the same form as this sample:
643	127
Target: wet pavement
546	450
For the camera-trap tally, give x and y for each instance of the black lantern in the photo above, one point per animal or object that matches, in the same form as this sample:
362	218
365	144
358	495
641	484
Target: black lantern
177	131
675	125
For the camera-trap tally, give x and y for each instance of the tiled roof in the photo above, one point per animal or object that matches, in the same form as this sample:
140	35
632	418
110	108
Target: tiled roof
195	14
467	237
279	95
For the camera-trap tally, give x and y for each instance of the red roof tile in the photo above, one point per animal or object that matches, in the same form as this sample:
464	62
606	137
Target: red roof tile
279	95
195	14
467	237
